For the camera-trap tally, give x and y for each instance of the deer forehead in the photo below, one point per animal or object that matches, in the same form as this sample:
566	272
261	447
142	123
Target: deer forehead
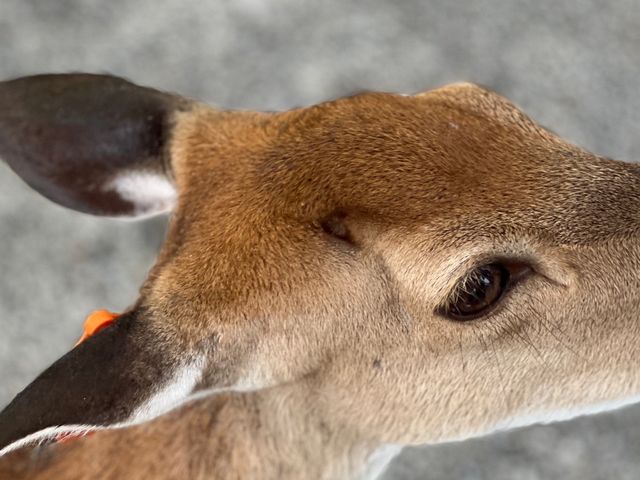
372	151
459	159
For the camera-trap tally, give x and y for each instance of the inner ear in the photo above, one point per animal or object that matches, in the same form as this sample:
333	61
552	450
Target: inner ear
94	143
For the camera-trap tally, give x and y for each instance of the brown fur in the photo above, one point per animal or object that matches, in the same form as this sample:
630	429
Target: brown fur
338	338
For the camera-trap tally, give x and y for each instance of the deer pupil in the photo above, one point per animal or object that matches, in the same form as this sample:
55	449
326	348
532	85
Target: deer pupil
481	289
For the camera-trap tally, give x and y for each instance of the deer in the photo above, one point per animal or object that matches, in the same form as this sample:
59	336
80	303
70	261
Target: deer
337	281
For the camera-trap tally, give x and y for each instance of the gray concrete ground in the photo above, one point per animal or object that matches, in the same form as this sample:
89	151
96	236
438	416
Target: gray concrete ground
574	66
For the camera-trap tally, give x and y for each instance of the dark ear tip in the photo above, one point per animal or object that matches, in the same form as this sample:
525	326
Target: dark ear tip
44	92
69	135
52	84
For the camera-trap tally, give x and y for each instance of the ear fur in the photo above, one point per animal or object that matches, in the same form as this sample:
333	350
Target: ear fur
120	375
94	143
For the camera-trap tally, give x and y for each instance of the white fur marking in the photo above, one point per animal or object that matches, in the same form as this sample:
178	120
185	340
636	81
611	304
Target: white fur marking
171	395
379	460
150	192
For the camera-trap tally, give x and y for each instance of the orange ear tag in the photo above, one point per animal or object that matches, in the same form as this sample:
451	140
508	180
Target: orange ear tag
95	322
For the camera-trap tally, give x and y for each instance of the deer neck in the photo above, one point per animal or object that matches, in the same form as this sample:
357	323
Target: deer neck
281	433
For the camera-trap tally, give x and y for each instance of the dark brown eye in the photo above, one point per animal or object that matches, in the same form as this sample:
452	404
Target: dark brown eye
481	289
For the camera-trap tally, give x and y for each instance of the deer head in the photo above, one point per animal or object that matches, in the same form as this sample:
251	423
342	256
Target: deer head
427	267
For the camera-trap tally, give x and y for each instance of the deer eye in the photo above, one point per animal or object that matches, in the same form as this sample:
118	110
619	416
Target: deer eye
481	289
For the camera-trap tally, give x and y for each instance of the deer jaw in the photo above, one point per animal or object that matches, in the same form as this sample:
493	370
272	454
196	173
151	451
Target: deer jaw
315	248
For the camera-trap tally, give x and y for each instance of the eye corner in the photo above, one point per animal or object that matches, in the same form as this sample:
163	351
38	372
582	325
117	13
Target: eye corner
518	269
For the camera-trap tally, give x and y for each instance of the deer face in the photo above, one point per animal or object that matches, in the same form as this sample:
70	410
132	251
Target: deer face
426	268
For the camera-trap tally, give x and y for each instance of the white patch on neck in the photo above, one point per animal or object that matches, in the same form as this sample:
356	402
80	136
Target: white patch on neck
152	193
378	461
171	395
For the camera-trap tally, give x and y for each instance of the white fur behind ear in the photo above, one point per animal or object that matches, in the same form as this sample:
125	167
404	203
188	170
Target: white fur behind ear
152	193
379	460
171	395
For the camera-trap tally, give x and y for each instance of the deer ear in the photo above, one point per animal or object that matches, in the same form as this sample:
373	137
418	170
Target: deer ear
123	374
94	143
